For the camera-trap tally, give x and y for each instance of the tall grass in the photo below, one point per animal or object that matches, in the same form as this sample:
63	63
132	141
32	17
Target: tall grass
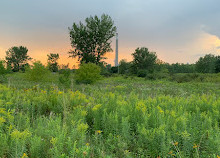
115	118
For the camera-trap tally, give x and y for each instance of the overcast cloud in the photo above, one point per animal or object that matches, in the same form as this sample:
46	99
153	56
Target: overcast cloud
178	30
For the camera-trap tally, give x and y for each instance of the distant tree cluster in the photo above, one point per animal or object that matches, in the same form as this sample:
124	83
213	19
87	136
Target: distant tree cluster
146	63
208	64
90	41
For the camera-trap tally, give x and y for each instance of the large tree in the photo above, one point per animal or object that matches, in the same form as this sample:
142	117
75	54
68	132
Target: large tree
217	64
91	40
17	58
143	60
52	62
206	64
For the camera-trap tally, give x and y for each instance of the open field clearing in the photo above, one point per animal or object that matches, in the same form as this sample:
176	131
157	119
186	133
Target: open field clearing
116	117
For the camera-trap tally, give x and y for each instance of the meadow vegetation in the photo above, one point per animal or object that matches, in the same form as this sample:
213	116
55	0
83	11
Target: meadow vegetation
143	108
114	117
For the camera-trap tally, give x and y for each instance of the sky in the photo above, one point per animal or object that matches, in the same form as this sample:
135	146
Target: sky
177	30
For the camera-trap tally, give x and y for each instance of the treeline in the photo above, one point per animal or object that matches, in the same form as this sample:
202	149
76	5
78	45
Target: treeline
145	62
90	41
17	59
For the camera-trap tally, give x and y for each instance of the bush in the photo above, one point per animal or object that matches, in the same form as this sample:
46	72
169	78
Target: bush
105	70
3	71
157	76
37	72
187	77
2	68
142	73
64	76
88	73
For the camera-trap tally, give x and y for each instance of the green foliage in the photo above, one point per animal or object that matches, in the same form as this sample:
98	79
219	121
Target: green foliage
2	68
143	60
217	64
114	118
3	71
158	76
105	69
180	78
64	77
114	69
90	41
124	67
37	72
88	73
52	62
17	58
142	73
206	64
180	68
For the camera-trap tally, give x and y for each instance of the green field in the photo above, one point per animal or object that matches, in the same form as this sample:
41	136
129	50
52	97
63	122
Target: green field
115	117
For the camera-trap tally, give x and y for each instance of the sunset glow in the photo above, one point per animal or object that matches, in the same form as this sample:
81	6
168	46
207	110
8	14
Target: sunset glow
175	36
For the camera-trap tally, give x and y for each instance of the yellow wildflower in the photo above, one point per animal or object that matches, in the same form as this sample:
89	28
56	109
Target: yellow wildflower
218	156
171	152
176	143
82	127
96	107
53	141
83	113
43	91
2	111
60	92
2	120
160	109
24	155
195	146
126	151
140	106
99	131
87	144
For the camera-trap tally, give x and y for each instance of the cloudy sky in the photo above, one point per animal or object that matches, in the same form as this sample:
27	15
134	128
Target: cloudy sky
178	30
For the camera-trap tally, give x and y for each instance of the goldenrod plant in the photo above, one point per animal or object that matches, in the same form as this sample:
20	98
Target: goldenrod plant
115	117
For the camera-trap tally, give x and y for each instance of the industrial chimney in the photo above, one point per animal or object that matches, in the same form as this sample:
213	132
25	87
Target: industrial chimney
116	51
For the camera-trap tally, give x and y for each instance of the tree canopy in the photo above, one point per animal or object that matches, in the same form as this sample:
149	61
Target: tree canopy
52	62
17	58
217	64
206	64
143	59
90	41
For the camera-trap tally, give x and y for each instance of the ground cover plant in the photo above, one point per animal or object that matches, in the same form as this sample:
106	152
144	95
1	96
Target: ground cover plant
115	117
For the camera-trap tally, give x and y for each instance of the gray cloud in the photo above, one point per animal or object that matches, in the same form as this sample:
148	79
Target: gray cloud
168	25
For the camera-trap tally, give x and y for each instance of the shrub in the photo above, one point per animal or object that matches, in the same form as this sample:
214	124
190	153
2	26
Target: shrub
88	73
157	76
37	72
142	73
64	76
105	70
187	77
2	68
3	71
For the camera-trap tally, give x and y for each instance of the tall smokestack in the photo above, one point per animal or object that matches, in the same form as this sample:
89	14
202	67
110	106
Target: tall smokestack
116	51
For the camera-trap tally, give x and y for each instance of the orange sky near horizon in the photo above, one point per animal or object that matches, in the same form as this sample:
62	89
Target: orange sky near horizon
206	42
178	31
